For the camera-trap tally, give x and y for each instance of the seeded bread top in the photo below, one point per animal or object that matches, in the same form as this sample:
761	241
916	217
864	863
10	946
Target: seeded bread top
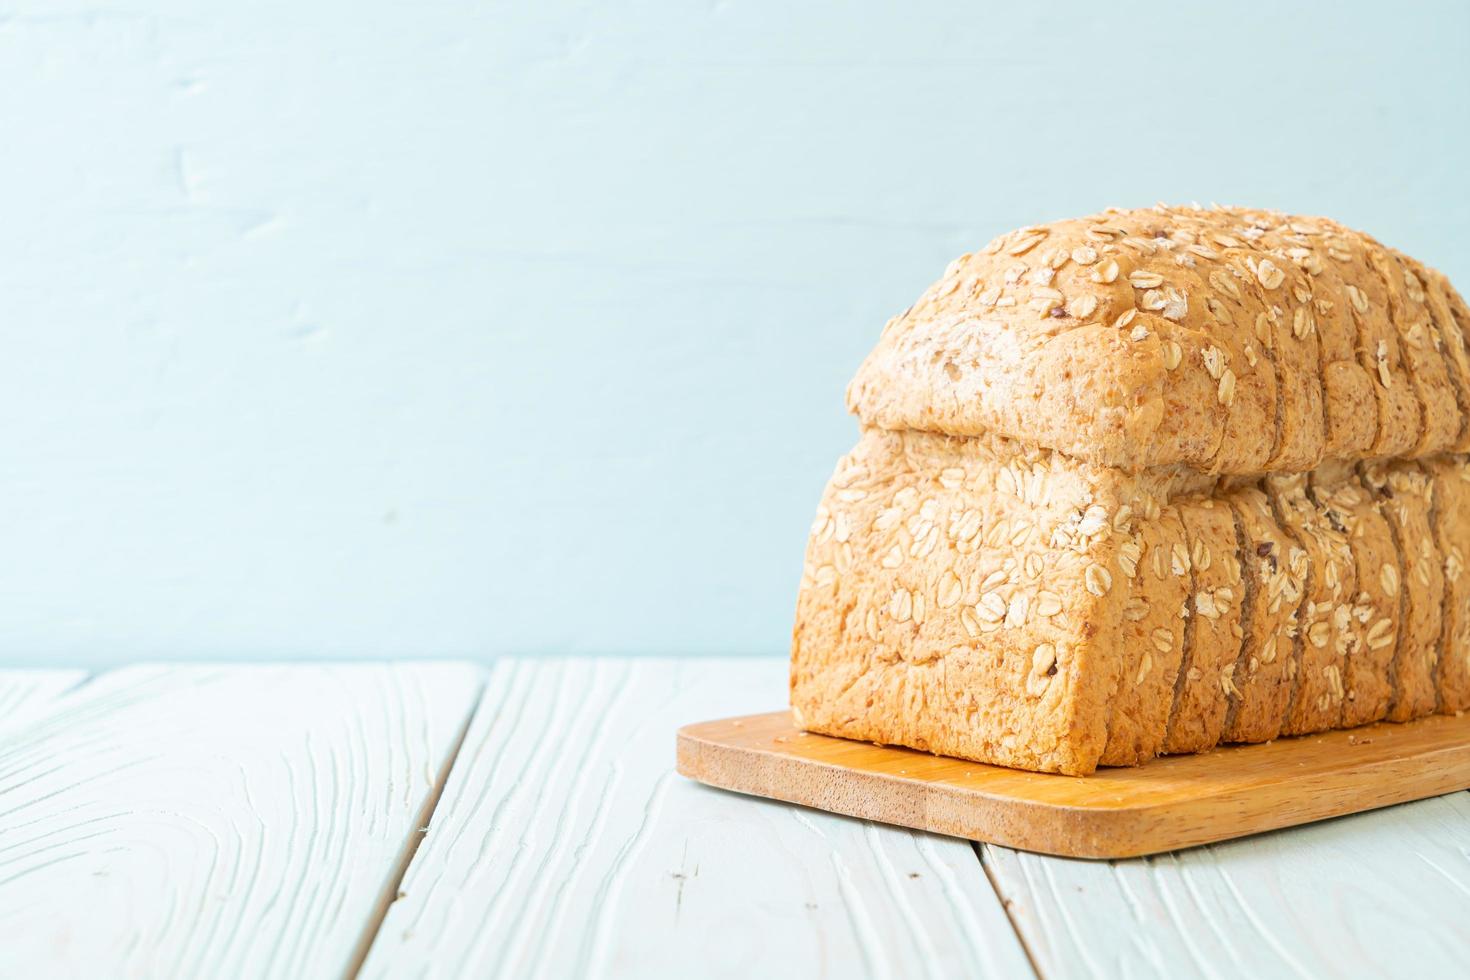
1227	340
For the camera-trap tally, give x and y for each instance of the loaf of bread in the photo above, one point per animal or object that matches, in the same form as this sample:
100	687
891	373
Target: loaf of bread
1143	483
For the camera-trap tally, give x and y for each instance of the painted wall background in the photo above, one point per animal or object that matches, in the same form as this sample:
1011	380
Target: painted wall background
360	329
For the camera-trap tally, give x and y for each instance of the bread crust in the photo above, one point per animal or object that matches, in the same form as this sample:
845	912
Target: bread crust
1062	336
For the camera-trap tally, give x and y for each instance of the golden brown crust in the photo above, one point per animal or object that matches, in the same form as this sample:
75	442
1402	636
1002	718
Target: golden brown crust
1230	341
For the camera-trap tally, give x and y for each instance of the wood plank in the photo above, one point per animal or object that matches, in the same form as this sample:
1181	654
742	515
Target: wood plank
1174	802
1379	894
217	821
565	845
25	694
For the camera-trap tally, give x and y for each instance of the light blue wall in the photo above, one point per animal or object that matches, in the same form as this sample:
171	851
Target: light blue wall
338	329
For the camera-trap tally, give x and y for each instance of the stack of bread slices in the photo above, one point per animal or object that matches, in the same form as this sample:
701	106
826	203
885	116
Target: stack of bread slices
1142	483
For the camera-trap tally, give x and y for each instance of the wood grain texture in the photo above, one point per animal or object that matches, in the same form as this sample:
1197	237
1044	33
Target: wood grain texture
565	845
217	821
1379	894
25	694
1174	802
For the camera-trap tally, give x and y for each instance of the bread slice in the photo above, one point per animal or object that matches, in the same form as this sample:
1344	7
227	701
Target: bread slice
1323	635
1151	639
1368	617
1447	338
1315	316
1212	632
1421	347
958	596
1273	595
1404	496
1450	515
1399	411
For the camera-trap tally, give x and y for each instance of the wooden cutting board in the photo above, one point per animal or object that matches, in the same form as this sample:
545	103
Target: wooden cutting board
1174	802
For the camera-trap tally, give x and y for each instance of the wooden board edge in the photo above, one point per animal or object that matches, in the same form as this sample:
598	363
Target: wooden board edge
1061	830
849	792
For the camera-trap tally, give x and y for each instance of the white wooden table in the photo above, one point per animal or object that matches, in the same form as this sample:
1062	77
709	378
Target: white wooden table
523	820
